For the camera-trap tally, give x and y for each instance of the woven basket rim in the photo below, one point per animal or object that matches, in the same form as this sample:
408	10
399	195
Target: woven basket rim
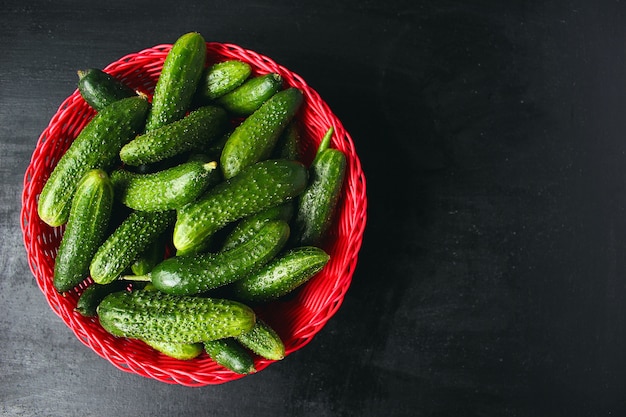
315	303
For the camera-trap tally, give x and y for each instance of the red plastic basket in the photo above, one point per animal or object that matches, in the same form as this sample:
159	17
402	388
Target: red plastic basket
297	319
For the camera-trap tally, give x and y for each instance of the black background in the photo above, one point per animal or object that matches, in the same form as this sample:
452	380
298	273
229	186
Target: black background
491	278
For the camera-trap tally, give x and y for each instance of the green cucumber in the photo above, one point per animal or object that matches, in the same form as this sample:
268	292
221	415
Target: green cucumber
260	186
264	341
178	80
91	297
289	143
317	205
249	226
282	275
130	239
155	316
196	274
164	190
254	139
87	224
150	257
221	78
199	128
231	355
96	146
180	351
248	97
99	89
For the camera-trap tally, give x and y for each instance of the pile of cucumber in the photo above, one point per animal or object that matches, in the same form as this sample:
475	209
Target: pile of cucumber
200	191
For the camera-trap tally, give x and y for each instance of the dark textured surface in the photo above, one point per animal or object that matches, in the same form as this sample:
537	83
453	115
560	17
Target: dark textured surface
491	279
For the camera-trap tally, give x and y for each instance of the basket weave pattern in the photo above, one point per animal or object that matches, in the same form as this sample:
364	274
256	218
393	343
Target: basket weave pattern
296	318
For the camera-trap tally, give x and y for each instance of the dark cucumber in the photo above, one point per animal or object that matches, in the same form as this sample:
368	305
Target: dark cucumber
96	146
91	297
249	226
264	341
196	274
85	230
317	205
178	81
247	98
231	355
196	130
221	78
128	241
99	89
150	257
254	139
155	316
164	190
289	143
282	275
260	186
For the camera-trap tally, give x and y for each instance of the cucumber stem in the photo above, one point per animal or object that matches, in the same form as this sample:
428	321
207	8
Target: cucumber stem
210	166
325	143
138	278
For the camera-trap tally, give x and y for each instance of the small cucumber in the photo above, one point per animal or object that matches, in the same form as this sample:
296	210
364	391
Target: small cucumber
87	224
200	127
99	89
169	189
254	139
91	297
260	186
264	341
231	355
221	78
248	227
150	257
247	98
180	351
282	275
317	204
288	145
130	239
155	316
96	146
178	80
196	274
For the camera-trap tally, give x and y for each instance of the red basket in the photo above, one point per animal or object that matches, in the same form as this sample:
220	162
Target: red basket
297	319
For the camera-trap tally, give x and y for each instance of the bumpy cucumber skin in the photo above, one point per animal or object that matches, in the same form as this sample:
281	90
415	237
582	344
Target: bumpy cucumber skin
89	217
178	80
231	355
130	239
180	351
258	187
150	257
317	205
282	275
221	78
196	274
164	190
248	227
288	144
199	128
96	146
99	89
91	297
155	316
264	341
247	98
254	139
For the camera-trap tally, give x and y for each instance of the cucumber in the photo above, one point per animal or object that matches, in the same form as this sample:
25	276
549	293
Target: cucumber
248	227
150	257
99	89
260	186
196	274
130	239
169	189
89	217
91	297
178	80
231	355
282	275
288	144
199	128
254	139
247	98
264	341
221	78
155	316
96	146
180	351
317	205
